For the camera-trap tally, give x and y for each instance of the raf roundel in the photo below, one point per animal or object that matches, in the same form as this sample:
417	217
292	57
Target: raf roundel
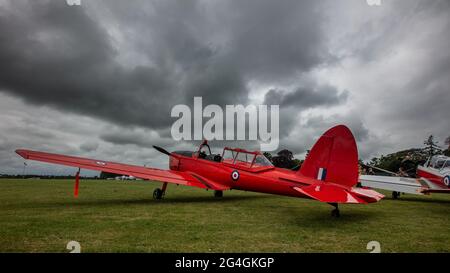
235	175
447	180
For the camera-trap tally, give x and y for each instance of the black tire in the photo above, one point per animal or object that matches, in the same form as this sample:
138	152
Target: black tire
218	194
335	213
395	195
157	194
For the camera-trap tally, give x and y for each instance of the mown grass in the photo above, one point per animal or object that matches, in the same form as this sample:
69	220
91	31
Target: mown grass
115	216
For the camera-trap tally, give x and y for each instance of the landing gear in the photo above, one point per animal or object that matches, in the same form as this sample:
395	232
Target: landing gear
335	212
158	194
395	194
218	194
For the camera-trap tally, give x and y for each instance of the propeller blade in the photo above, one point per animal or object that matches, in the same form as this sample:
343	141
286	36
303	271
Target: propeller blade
159	149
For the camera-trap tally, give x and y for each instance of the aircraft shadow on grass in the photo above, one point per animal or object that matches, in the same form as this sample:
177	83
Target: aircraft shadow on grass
433	199
348	217
150	202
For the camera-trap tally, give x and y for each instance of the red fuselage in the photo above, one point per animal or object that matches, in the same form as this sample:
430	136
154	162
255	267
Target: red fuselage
261	179
432	175
329	173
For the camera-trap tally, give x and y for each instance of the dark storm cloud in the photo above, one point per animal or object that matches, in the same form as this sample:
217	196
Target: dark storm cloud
89	146
272	41
59	56
306	97
67	58
377	38
139	138
113	70
412	95
351	120
292	103
303	136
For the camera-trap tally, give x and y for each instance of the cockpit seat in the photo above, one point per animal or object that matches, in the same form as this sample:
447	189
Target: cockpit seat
214	157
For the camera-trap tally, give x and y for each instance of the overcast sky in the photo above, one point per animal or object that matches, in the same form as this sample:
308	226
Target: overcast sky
100	79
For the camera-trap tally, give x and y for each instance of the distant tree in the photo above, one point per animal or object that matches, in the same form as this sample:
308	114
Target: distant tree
106	175
285	159
298	165
286	153
374	161
431	146
298	161
307	153
268	155
360	161
392	162
447	142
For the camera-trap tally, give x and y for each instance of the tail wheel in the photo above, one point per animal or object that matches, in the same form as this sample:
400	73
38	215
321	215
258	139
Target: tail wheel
395	195
158	194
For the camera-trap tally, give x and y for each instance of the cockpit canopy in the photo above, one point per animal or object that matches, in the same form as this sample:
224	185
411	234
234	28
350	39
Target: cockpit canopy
439	162
245	159
238	158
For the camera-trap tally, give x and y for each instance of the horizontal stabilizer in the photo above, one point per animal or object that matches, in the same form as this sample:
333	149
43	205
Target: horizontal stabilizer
332	193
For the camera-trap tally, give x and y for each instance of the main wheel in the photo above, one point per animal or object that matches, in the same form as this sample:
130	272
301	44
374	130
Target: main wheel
158	194
218	194
395	195
335	213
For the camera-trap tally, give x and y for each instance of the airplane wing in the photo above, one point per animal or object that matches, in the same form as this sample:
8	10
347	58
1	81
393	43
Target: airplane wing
401	184
176	177
392	183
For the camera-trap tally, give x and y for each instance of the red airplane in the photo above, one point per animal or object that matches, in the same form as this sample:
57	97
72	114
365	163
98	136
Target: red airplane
432	177
329	173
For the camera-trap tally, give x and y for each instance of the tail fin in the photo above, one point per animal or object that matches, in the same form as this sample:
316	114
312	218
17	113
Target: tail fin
334	158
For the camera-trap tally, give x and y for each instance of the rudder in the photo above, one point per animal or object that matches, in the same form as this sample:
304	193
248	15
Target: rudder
334	158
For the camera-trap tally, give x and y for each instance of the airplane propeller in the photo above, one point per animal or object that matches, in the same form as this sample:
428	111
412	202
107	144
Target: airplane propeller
161	150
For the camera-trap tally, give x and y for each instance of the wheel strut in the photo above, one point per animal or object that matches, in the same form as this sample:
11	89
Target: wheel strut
158	193
335	213
77	183
164	188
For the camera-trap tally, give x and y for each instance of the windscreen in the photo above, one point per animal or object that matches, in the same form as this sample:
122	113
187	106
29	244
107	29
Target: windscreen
261	161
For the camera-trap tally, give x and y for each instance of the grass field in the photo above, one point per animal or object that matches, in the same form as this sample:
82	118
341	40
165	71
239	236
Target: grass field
115	216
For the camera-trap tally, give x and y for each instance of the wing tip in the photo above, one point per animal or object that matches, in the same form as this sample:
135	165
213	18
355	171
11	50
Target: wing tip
23	153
